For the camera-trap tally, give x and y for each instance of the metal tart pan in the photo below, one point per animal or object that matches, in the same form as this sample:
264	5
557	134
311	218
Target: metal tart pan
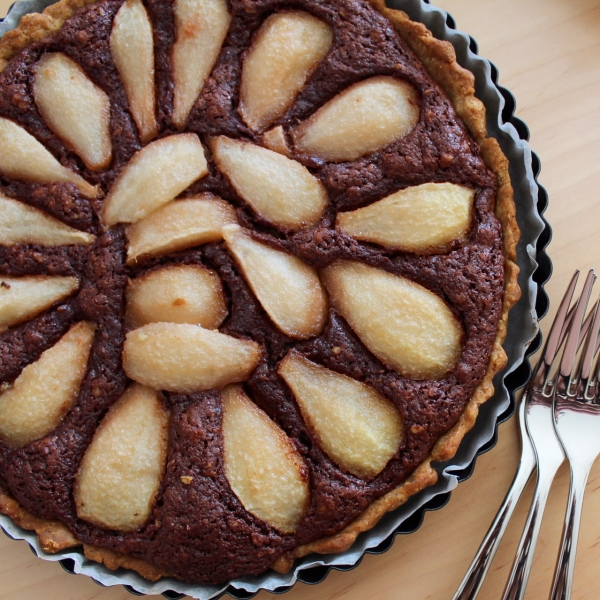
522	340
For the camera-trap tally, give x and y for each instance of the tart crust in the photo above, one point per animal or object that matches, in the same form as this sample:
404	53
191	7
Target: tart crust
439	59
36	26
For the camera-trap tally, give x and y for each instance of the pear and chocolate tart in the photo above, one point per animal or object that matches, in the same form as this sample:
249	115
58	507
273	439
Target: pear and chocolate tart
254	275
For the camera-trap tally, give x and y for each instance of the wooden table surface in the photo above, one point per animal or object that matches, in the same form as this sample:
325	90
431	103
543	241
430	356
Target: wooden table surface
548	55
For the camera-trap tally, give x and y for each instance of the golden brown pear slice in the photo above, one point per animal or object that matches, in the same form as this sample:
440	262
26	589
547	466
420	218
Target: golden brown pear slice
45	390
286	50
132	49
185	358
274	139
74	108
279	189
176	294
362	119
23	157
288	289
262	466
154	176
356	426
22	298
409	328
200	29
179	225
420	219
23	224
122	468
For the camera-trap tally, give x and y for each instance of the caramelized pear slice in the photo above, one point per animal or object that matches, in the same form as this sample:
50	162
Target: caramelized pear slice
122	468
176	294
409	328
279	189
179	357
288	289
45	390
286	50
179	225
22	298
132	49
420	219
274	139
200	29
356	426
74	108
262	466
23	224
23	157
154	176
362	119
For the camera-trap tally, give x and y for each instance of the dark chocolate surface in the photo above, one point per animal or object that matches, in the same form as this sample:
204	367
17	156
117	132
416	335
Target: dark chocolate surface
200	532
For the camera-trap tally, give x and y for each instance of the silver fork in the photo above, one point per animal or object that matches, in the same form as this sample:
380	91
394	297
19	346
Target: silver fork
577	423
539	419
535	411
540	426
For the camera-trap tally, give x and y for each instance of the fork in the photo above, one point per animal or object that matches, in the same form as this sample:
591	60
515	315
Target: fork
536	427
539	420
577	423
541	448
541	430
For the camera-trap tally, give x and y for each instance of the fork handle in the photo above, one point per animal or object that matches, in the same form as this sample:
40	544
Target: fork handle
517	581
565	566
473	580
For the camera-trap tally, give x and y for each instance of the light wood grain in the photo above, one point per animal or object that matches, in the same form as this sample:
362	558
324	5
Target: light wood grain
548	55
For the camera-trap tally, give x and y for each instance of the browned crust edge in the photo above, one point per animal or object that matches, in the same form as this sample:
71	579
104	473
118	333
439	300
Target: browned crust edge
439	58
115	560
36	26
55	537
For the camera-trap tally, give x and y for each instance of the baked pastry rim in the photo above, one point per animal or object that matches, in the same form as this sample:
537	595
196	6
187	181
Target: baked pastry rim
439	59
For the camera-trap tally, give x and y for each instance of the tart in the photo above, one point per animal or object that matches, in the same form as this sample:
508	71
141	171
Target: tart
257	262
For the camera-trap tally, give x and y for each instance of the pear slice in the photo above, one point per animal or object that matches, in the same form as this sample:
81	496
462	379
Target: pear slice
262	466
122	468
179	357
420	219
176	294
74	108
200	29
364	118
45	390
132	49
179	225
23	157
357	427
288	289
274	139
23	224
409	328
286	50
279	189
154	176
22	298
